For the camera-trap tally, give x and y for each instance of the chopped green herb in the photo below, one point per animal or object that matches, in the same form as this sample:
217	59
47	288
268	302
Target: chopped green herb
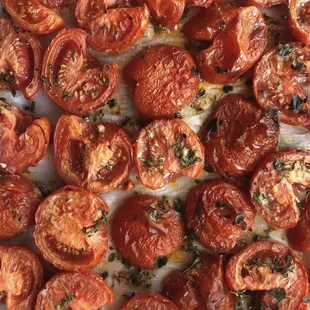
111	103
306	300
161	261
260	198
220	70
104	275
67	94
222	26
4	77
30	107
278	164
195	71
97	225
177	115
296	105
201	93
153	162
299	66
222	204
265	92
278	293
103	80
239	218
44	78
73	56
227	88
285	50
272	112
64	303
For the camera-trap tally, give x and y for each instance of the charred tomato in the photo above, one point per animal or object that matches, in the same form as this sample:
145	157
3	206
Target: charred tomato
269	3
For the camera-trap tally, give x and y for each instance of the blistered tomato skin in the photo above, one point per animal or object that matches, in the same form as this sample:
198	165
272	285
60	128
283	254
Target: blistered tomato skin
21	277
237	136
270	267
166	150
98	156
166	80
78	290
269	3
273	185
280	83
71	230
202	3
146	228
74	79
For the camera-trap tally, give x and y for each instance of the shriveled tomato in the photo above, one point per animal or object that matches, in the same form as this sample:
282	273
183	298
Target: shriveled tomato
72	77
202	3
31	15
273	268
166	150
202	287
74	290
237	135
280	83
23	139
166	80
269	3
274	183
146	228
71	230
235	49
21	277
98	156
149	301
219	213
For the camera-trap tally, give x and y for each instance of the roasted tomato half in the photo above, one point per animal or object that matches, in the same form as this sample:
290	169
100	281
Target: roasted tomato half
166	80
166	150
23	139
219	213
97	156
21	59
72	77
274	186
269	3
235	49
237	135
19	200
21	277
74	290
281	81
201	287
272	268
146	228
33	16
71	230
149	301
202	3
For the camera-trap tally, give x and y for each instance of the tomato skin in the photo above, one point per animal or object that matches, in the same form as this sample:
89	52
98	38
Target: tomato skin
269	3
89	291
242	135
202	3
21	277
144	228
243	273
74	79
166	81
111	148
159	153
70	229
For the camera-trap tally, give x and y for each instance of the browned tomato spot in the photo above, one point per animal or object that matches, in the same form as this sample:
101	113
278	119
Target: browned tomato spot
202	3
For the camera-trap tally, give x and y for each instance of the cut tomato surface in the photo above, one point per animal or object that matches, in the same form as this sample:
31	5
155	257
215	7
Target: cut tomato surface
202	3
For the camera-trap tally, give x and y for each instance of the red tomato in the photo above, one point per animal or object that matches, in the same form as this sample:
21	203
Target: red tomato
236	49
21	277
272	267
23	139
19	200
237	135
166	150
202	287
269	3
71	230
166	80
219	213
273	186
202	3
149	301
73	78
74	290
98	156
146	228
280	83
31	15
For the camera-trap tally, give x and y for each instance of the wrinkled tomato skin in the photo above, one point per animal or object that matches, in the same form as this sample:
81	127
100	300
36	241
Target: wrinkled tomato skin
23	140
150	301
166	80
212	211
244	273
19	200
201	288
89	291
237	136
273	183
21	277
145	228
70	229
158	153
74	79
202	3
269	3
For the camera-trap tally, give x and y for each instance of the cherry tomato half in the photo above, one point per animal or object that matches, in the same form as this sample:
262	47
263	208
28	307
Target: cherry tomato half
72	77
74	290
166	150
146	228
269	3
71	230
237	135
202	3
